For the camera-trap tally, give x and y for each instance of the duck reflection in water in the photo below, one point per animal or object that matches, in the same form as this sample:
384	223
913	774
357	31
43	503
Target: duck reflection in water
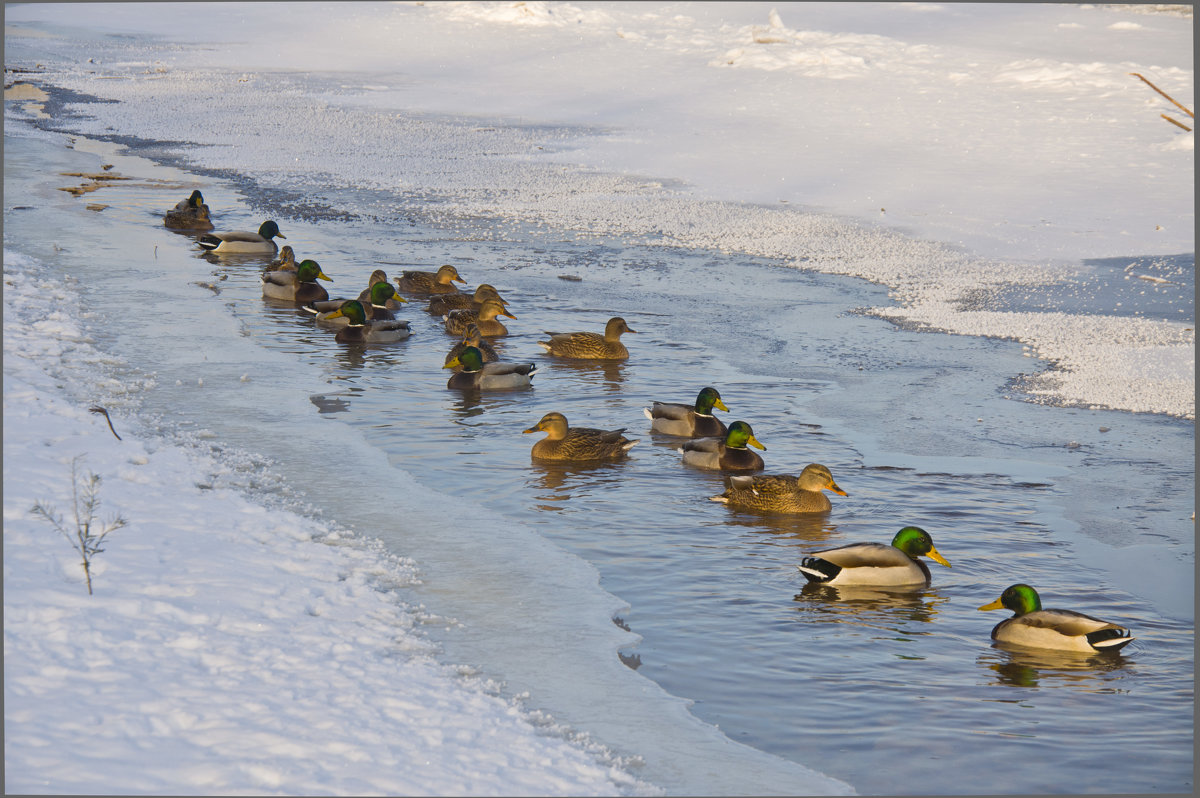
560	481
859	604
1021	667
607	375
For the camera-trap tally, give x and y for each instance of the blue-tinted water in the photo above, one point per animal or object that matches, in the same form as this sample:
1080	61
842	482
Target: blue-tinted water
892	694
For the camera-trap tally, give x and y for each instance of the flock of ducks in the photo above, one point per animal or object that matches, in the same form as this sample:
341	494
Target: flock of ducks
708	443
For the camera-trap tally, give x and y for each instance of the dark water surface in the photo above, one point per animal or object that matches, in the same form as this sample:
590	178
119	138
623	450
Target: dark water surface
896	694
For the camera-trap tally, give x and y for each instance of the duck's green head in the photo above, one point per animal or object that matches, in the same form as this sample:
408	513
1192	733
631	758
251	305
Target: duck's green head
196	200
739	435
270	230
382	292
707	399
1020	598
309	271
471	359
915	542
353	310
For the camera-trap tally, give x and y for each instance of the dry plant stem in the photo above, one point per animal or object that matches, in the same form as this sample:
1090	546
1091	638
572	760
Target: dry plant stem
85	503
1176	122
98	409
1163	93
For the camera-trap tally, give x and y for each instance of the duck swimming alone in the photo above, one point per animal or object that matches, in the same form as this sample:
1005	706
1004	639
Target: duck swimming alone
875	564
495	376
443	304
440	282
240	241
362	330
725	454
299	286
189	214
484	318
577	443
688	421
590	345
782	493
1064	630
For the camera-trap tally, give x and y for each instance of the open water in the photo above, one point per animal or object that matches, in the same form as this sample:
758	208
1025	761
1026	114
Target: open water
893	694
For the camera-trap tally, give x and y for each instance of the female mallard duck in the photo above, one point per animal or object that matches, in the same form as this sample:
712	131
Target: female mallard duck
1065	630
286	262
375	310
495	376
441	305
472	337
590	345
577	443
688	421
440	282
725	454
240	241
189	214
362	330
371	294
875	563
484	318
299	286
782	493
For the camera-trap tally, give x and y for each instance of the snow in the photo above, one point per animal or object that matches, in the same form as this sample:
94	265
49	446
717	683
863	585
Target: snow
229	648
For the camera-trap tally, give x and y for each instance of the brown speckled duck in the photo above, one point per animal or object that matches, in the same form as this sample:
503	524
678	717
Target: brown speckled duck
564	442
443	304
782	493
590	345
472	337
440	282
484	318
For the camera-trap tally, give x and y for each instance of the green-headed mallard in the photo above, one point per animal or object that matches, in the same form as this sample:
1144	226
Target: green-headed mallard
440	282
326	311
189	214
299	286
443	304
1065	630
688	421
472	337
590	345
495	376
362	330
484	318
240	241
875	563
782	493
725	454
372	293
286	262
577	443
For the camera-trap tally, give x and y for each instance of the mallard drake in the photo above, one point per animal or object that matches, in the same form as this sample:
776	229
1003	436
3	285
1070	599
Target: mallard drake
299	286
590	345
362	330
440	282
577	443
495	376
688	421
875	563
725	454
242	241
484	318
372	294
189	214
1065	630
375	311
441	305
286	262
472	337
782	493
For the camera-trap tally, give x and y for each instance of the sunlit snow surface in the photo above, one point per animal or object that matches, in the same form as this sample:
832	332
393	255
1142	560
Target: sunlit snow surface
1031	152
